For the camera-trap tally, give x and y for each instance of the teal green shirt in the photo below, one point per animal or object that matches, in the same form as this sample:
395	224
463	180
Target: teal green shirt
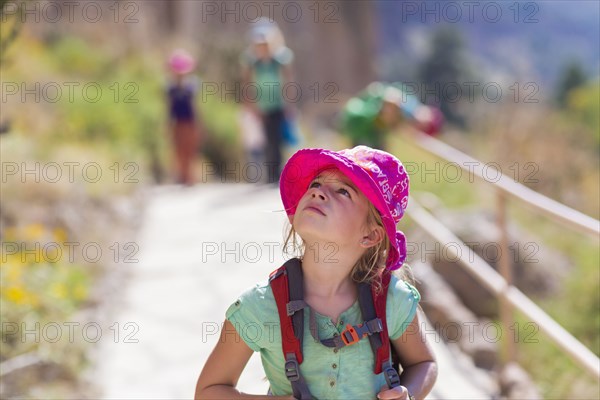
346	373
267	78
359	117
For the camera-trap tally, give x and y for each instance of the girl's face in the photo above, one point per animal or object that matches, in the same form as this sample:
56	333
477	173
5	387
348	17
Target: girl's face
262	51
332	210
389	114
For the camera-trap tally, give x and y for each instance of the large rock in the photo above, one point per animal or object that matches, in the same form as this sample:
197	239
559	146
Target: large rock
515	383
453	321
537	270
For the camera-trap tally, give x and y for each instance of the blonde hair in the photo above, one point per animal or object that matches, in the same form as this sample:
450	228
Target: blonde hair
368	267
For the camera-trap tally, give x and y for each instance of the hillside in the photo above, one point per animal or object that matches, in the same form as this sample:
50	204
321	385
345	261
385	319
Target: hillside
527	40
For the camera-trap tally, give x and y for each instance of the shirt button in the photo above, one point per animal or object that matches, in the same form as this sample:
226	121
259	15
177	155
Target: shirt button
237	303
341	322
332	383
336	350
334	365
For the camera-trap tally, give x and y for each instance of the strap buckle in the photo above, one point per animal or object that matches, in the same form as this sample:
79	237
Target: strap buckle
391	377
353	333
293	306
291	370
350	335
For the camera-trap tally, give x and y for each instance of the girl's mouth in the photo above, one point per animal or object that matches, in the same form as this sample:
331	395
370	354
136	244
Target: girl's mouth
315	209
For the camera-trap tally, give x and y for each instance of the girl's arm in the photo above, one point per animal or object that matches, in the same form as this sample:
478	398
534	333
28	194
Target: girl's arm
418	363
224	367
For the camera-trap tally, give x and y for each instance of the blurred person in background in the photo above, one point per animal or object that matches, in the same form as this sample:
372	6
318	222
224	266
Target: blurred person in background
382	107
266	67
183	120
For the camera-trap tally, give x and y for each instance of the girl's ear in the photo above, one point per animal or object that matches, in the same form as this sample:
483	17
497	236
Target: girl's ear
375	236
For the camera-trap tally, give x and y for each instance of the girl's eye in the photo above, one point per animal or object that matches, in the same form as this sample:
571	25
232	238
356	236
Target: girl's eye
344	192
314	184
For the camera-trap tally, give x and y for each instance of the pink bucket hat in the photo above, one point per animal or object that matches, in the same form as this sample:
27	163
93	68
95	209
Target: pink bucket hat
380	176
181	62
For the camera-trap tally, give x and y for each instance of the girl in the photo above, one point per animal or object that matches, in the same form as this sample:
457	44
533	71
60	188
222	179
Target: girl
344	206
182	116
267	68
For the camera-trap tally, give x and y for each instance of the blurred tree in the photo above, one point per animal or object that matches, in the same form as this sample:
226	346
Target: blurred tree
571	77
584	103
443	72
9	11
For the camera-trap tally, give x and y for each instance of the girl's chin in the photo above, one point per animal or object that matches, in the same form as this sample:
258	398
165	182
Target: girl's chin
312	233
319	238
314	230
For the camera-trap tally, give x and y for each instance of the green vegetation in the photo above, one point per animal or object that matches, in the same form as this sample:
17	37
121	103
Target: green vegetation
583	104
432	175
92	106
572	78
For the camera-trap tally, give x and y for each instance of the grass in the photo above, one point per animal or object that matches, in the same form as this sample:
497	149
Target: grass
38	289
555	373
432	175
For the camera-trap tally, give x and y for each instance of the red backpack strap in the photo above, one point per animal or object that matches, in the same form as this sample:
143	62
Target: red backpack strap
278	280
380	300
373	305
287	285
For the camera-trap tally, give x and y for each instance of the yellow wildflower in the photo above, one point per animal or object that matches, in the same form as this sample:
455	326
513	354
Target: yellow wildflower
60	235
34	231
16	294
59	290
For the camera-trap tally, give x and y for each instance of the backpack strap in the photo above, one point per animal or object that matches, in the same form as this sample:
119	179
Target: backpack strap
373	305
287	285
351	335
288	289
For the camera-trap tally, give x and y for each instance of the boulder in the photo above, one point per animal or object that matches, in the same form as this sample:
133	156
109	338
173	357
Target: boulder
453	321
537	270
515	383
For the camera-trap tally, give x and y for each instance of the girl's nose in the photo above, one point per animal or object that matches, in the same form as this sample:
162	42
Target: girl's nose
318	193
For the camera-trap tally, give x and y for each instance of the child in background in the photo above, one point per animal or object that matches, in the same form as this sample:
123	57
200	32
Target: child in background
266	68
182	115
380	108
344	206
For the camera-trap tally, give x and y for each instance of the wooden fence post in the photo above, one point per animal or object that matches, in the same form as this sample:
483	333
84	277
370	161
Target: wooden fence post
509	348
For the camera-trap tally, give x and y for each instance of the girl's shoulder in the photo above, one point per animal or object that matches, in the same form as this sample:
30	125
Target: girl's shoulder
260	291
401	306
254	302
401	289
252	313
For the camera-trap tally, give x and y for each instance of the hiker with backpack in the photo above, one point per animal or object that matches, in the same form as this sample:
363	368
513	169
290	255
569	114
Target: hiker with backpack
266	69
328	322
380	108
